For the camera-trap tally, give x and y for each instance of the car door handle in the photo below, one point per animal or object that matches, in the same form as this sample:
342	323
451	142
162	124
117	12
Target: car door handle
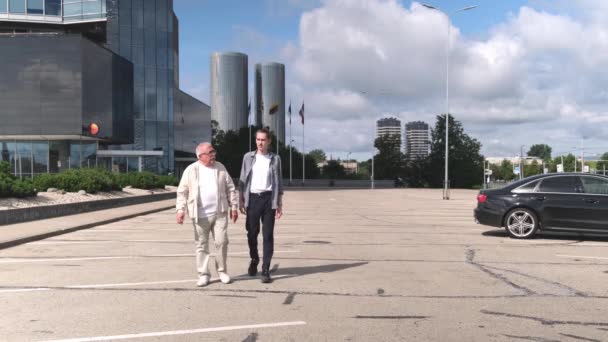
540	198
591	200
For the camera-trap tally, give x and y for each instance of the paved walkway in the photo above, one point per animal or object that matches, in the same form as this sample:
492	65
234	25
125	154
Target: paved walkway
16	234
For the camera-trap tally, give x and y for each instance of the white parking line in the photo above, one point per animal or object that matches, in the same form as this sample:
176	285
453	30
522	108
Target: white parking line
581	257
51	242
95	286
18	260
25	290
182	332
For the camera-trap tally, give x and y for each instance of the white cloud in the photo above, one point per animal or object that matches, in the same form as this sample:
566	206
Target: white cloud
539	77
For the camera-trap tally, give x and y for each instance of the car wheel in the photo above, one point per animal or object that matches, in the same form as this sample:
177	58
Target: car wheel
521	223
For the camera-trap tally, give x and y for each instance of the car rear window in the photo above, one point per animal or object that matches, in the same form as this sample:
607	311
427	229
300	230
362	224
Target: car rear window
595	185
529	187
564	184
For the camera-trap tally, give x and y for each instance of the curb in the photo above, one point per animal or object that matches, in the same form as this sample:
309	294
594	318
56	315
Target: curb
28	214
20	241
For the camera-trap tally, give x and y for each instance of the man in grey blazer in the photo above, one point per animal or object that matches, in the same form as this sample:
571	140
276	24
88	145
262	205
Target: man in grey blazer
207	192
261	197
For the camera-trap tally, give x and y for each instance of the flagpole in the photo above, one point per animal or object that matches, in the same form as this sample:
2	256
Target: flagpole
303	154
290	143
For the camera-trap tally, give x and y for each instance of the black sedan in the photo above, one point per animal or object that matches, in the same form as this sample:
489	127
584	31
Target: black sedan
558	201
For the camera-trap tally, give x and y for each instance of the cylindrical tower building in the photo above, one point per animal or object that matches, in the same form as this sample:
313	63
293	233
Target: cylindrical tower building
229	94
270	97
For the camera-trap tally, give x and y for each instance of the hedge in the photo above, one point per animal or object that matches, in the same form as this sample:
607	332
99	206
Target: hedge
13	187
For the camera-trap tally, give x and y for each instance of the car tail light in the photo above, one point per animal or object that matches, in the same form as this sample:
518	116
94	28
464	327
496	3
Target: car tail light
481	198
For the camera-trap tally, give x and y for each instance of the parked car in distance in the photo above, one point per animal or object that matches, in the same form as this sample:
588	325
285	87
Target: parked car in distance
575	202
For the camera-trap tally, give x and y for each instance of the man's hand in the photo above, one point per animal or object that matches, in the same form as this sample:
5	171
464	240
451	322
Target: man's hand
279	213
179	217
242	209
234	215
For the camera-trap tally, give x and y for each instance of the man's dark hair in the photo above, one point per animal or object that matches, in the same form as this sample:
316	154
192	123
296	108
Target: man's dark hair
265	131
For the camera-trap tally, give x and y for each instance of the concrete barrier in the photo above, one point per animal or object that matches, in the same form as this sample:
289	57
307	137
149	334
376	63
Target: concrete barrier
339	183
12	216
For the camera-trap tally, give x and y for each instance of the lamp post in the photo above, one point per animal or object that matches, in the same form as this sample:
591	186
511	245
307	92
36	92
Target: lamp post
521	164
446	193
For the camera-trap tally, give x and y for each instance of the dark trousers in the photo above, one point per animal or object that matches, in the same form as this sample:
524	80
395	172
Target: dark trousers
260	209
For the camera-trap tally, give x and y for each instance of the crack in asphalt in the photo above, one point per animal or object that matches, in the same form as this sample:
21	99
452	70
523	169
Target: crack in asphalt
391	317
531	338
543	320
576	337
470	256
571	290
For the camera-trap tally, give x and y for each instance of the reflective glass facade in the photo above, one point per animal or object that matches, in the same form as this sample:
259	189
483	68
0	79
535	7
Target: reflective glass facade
143	32
192	123
53	11
55	84
73	62
229	90
269	92
29	158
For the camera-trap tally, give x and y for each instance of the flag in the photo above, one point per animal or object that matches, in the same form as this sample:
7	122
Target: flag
273	109
249	112
301	112
289	111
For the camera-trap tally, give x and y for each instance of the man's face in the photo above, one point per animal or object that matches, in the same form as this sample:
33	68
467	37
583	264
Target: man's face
262	142
206	155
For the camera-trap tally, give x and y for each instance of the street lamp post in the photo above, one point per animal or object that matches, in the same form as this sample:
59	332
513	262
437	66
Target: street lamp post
521	164
446	193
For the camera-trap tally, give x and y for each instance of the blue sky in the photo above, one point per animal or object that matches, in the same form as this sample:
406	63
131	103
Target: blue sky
514	65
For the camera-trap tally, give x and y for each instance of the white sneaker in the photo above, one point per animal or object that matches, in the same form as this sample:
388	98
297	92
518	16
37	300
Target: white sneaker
203	280
224	277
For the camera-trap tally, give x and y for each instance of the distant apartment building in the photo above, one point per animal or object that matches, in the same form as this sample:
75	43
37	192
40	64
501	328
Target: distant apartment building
389	127
417	141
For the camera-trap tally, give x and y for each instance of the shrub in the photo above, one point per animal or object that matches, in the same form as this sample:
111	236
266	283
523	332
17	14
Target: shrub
167	180
89	180
22	188
44	181
5	169
10	186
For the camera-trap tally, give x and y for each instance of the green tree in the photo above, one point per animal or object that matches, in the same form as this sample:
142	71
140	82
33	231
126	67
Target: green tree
602	163
542	151
333	170
465	162
318	155
504	171
388	162
231	146
568	163
534	168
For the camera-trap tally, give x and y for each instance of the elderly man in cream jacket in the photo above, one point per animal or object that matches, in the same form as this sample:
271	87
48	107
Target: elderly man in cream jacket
207	192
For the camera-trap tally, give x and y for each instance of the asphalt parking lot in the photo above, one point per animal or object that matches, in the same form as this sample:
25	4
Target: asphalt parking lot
349	265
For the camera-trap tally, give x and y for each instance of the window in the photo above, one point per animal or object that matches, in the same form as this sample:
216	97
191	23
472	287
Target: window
2	6
72	9
564	184
595	185
35	7
16	6
91	7
40	154
52	7
526	188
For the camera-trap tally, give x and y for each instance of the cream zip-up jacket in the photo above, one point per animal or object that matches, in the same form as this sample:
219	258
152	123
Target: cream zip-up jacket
188	193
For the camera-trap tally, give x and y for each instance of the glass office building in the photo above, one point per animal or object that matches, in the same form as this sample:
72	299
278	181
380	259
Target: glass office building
229	91
140	33
270	97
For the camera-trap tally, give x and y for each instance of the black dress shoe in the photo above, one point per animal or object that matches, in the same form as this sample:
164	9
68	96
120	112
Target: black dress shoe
266	277
253	267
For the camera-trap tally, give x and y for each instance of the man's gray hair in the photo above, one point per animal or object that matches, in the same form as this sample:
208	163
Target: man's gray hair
200	146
